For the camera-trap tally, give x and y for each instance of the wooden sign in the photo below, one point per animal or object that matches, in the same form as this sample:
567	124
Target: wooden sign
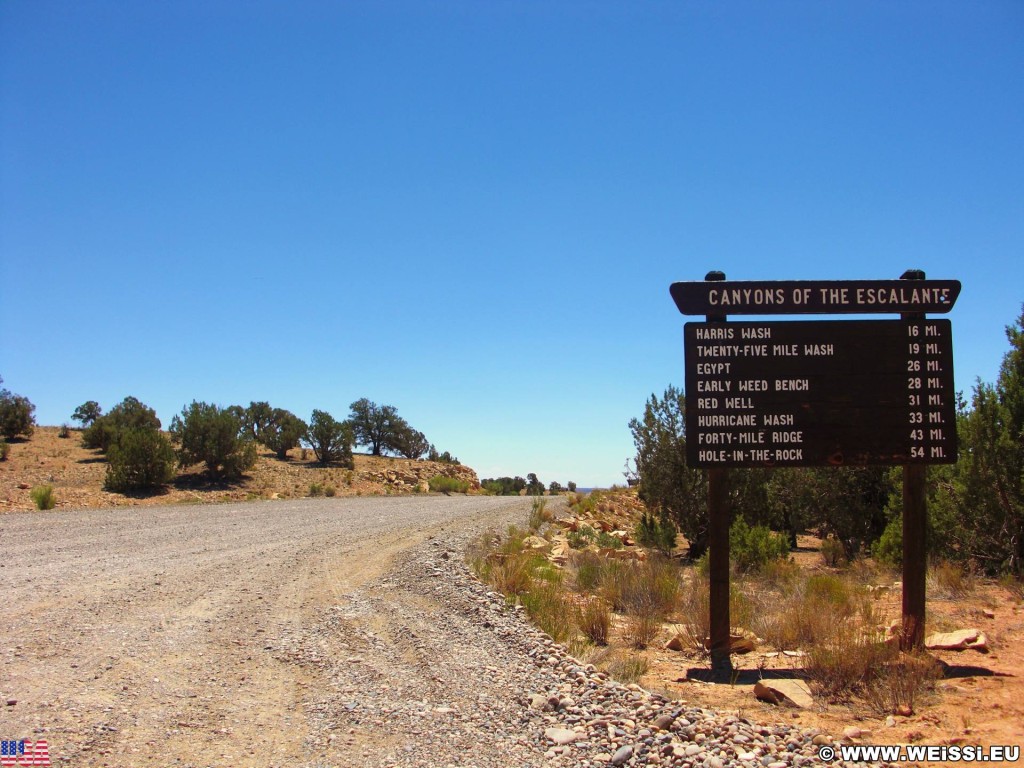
820	393
801	297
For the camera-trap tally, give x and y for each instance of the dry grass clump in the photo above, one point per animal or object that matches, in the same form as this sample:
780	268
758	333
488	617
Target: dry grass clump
43	497
539	515
899	683
588	570
951	581
840	665
628	669
647	593
503	562
594	619
1014	585
547	604
693	608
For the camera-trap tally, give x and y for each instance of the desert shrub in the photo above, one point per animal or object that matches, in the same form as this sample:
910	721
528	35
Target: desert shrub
16	415
779	574
5	449
830	591
810	612
130	413
213	436
628	669
594	620
652	585
330	439
511	575
693	607
666	483
87	413
501	486
64	432
282	432
43	497
656	532
647	593
409	442
888	550
442	484
840	665
1012	584
502	561
538	515
550	609
613	577
316	489
582	538
897	684
833	553
330	491
588	569
607	541
140	459
950	580
751	548
641	628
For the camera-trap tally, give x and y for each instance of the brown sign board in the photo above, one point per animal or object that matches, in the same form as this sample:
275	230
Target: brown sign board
819	393
828	297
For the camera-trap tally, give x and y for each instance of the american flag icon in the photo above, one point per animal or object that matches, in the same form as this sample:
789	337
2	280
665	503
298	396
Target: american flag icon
24	752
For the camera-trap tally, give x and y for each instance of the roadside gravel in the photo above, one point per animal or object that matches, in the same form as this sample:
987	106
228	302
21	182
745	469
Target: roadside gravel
332	632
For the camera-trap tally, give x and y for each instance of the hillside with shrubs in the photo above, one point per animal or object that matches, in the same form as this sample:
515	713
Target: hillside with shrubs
208	453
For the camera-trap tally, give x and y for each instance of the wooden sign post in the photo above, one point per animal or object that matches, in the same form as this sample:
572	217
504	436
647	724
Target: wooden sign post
818	393
719	522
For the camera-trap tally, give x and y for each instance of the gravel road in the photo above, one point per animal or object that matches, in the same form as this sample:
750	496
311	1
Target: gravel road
323	632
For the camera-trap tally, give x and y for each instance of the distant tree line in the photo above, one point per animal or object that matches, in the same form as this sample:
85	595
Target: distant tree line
975	507
514	486
142	458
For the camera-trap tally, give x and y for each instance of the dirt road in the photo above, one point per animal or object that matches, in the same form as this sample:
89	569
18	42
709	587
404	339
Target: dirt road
266	634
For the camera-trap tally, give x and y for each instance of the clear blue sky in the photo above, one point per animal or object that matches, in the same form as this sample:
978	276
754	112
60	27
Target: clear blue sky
473	210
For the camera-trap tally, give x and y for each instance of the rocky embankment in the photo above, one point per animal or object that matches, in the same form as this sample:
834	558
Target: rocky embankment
492	691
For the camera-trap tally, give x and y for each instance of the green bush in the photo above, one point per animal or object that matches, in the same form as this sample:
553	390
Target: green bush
830	592
16	415
500	486
656	533
212	436
42	496
538	515
140	459
4	450
87	412
607	541
753	548
888	550
283	432
331	439
833	553
594	619
581	538
130	413
442	484
316	489
589	570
